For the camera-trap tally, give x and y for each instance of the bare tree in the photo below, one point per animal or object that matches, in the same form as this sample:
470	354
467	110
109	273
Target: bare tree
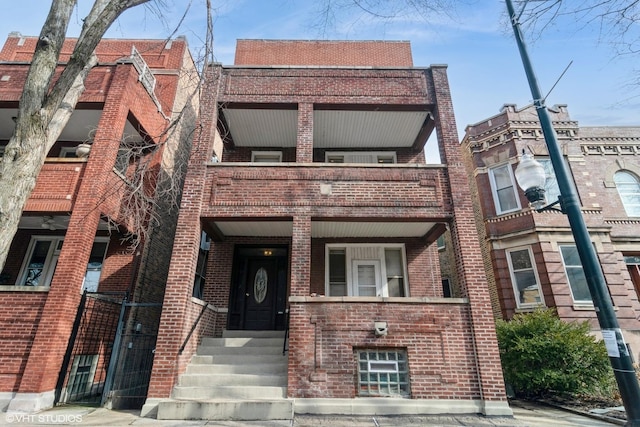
615	20
47	104
329	12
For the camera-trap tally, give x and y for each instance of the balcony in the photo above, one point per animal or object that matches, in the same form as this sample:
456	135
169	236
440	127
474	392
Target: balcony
57	185
355	200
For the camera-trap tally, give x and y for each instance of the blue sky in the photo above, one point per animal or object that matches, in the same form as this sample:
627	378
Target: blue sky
485	70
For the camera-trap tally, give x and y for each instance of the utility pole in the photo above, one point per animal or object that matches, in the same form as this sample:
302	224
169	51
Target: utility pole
612	335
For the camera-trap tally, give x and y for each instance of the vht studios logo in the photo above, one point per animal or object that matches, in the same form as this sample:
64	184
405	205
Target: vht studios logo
17	418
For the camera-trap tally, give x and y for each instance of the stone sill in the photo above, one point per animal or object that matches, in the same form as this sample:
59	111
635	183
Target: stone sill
14	288
395	300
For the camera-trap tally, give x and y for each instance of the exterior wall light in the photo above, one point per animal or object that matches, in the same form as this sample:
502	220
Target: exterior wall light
531	178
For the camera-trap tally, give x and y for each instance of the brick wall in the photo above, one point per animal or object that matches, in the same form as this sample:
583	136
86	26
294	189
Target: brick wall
437	338
324	52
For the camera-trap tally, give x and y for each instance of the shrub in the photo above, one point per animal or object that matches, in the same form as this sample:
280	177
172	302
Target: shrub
542	355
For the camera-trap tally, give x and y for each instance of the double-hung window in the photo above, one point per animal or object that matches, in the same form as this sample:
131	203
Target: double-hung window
505	197
551	189
366	270
360	157
524	277
575	274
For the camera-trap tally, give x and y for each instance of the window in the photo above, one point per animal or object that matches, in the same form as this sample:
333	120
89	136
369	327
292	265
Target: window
504	192
575	274
94	266
40	262
68	152
360	157
524	277
441	243
363	270
266	156
447	290
628	187
383	373
551	189
201	266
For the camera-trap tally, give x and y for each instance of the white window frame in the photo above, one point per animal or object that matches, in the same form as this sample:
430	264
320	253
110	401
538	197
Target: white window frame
104	256
494	189
352	261
379	381
50	262
257	156
631	209
564	264
375	157
551	188
514	282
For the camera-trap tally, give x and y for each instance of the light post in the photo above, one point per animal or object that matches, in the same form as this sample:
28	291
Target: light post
570	205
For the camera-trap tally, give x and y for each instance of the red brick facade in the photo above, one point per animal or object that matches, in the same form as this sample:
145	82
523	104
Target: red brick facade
76	195
594	155
296	208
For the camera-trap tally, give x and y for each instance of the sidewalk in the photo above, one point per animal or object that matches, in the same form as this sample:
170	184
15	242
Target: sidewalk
525	414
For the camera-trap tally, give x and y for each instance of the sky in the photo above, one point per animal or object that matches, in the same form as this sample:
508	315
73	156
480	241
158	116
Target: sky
484	67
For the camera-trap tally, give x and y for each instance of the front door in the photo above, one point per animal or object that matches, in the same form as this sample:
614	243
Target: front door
258	296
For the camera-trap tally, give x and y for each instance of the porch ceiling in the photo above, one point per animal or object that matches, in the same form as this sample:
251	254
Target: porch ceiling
332	128
51	222
81	125
325	229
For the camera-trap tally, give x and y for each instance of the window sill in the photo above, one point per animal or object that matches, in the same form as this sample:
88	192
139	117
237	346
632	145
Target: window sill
14	288
400	300
583	306
530	308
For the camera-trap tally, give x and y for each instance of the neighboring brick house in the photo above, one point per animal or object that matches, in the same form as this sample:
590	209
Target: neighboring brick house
66	241
308	205
530	257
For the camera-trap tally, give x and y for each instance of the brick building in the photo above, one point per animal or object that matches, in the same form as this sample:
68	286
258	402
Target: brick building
309	219
69	275
530	257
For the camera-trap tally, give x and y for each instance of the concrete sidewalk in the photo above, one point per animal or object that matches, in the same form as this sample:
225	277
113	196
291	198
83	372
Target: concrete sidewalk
525	414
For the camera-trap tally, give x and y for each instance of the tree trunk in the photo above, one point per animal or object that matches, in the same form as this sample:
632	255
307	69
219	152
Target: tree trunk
43	113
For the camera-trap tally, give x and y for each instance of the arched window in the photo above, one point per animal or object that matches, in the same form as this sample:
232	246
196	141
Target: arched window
629	190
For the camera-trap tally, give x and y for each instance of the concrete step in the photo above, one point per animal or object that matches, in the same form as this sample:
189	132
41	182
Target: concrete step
228	392
242	342
245	410
279	368
238	359
252	334
236	351
201	380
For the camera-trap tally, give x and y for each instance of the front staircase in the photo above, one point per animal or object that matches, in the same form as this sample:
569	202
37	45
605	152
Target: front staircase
241	376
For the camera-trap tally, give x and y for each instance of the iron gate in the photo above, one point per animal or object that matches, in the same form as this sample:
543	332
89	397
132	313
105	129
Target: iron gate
110	352
86	361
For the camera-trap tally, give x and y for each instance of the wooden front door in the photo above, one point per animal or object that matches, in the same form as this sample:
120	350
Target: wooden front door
258	296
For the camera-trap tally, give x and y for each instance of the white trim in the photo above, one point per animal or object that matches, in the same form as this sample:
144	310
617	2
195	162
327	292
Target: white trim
50	260
494	190
266	154
377	254
373	157
512	272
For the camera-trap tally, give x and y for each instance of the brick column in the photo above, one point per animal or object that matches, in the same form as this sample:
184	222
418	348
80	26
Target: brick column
37	388
174	324
301	256
304	143
468	257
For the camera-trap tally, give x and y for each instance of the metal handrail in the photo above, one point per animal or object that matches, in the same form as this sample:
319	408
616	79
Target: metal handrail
286	333
193	328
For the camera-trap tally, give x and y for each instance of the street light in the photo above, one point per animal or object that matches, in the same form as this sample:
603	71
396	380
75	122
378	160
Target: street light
611	333
531	178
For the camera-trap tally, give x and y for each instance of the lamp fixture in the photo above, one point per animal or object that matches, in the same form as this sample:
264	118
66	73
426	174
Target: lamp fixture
531	178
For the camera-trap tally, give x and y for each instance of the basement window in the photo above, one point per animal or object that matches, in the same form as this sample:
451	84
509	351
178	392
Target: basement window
382	373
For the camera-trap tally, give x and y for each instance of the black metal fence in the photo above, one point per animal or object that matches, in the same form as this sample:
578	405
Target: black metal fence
110	352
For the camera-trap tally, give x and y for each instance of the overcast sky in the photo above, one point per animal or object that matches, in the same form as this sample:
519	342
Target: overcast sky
485	70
